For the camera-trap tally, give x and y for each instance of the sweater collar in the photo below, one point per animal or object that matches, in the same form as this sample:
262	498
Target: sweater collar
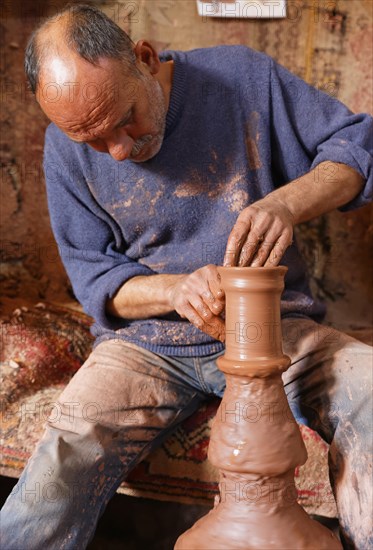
177	89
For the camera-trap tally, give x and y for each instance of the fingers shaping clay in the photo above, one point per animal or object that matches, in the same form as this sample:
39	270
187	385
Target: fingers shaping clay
255	441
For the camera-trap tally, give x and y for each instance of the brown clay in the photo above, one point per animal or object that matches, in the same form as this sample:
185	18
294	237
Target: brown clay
255	441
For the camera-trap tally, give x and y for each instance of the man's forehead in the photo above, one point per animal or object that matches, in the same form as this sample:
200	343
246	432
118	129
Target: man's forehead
76	79
66	64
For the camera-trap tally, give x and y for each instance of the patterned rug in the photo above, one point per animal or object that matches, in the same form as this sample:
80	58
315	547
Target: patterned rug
45	345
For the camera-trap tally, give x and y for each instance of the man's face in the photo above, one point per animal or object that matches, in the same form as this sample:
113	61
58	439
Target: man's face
106	107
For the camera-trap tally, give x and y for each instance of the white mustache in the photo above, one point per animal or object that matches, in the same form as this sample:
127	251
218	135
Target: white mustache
139	144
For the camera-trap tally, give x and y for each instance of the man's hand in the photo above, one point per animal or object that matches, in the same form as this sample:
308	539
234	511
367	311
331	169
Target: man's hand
199	298
264	230
261	234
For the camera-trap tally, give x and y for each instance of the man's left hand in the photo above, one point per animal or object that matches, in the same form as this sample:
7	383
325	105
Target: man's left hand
261	234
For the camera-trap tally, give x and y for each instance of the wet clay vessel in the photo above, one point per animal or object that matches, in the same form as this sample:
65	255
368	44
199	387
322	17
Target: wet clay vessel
255	441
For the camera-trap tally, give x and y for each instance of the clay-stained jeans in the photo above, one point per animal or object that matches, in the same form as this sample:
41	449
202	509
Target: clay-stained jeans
125	400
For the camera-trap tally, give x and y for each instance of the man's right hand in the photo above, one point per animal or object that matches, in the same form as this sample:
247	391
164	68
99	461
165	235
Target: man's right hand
199	298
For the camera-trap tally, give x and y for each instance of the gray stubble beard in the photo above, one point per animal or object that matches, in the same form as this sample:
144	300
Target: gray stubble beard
157	100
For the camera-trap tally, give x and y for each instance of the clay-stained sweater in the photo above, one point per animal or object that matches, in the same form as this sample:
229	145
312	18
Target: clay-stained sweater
238	126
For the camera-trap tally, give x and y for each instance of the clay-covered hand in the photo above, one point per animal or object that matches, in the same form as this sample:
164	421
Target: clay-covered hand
199	298
261	234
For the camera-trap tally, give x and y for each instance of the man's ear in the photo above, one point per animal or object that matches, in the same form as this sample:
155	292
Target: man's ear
147	57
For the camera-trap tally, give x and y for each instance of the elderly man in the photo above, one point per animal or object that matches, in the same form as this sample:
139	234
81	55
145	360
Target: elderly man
159	168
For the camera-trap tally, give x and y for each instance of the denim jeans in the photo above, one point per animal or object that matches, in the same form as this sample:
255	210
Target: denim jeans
125	400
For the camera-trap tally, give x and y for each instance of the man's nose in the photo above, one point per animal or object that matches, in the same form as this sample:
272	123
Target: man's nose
120	147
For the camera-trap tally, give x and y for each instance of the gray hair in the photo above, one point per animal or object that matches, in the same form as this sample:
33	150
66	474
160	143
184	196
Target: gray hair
89	32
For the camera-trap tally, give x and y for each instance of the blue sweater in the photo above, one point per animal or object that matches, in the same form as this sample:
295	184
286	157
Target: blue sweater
238	126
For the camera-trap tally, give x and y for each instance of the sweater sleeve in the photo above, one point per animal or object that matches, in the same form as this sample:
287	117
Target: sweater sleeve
323	127
89	242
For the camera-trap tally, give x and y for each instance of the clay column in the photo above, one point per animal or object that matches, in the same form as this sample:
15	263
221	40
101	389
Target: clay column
255	441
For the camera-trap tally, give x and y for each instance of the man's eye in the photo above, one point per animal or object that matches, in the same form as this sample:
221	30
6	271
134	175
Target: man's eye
127	120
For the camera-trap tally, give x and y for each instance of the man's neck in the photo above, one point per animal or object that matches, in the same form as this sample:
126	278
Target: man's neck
164	77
